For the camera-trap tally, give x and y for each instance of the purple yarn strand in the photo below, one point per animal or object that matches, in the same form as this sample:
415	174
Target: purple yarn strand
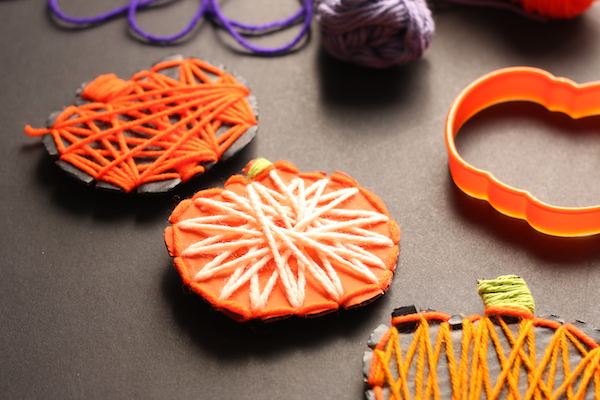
229	26
56	10
283	23
208	8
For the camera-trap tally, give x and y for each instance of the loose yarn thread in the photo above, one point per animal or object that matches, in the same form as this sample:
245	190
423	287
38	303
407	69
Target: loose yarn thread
209	9
153	127
375	33
507	290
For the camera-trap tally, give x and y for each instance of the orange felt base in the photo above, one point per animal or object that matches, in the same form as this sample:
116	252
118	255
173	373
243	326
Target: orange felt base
355	291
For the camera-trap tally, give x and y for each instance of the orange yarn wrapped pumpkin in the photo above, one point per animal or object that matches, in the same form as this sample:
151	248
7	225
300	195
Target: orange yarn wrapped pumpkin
282	242
505	354
556	8
151	132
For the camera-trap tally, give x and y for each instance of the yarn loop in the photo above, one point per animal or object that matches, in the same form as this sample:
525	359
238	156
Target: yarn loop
209	9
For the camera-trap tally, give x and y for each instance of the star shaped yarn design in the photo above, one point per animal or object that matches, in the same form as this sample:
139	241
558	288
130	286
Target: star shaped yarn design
290	232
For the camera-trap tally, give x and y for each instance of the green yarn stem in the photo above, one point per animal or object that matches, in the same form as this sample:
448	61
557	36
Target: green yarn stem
507	290
258	166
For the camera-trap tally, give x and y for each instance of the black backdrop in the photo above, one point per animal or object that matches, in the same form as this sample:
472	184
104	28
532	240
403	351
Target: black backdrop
90	304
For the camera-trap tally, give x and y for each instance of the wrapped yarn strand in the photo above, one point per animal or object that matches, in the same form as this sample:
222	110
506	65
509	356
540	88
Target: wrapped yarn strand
507	290
375	33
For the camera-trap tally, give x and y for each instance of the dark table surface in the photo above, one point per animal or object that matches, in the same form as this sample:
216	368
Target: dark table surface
90	305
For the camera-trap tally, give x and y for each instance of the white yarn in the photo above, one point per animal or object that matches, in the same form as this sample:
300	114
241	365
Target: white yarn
279	226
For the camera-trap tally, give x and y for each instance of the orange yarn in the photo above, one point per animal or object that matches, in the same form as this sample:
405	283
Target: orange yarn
556	8
485	342
163	124
284	243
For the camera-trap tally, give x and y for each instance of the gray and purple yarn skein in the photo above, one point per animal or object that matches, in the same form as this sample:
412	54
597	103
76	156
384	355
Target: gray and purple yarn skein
375	33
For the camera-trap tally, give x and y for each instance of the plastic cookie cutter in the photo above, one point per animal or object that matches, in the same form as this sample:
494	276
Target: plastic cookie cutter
555	94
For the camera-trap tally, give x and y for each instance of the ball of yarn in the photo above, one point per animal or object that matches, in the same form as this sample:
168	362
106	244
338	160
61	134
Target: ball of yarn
556	8
375	33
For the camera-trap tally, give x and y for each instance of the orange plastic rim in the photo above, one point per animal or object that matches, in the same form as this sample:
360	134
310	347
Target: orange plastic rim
555	94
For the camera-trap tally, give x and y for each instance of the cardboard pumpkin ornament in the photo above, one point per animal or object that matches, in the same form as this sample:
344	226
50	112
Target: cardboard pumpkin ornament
507	353
280	242
151	132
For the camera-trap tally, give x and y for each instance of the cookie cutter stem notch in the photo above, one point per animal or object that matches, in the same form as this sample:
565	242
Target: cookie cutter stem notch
555	94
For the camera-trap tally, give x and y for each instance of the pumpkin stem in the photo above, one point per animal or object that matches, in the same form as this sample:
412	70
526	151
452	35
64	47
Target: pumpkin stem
106	88
256	167
506	291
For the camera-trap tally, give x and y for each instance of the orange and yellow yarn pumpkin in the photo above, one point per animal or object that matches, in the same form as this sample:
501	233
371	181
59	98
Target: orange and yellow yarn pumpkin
507	353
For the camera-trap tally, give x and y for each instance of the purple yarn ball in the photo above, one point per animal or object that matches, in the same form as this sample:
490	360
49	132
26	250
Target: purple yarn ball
375	33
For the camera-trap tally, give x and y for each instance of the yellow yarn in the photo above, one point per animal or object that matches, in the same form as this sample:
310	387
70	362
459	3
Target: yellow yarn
507	290
258	166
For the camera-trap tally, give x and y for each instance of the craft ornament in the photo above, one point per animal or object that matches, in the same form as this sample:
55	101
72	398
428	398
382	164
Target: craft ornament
280	242
505	354
555	94
154	131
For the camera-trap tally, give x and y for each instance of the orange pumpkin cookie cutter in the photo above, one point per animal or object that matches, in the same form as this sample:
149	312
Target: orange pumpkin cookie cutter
280	242
555	94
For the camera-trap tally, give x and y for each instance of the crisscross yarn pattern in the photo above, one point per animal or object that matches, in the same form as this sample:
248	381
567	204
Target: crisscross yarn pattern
165	124
493	357
284	243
